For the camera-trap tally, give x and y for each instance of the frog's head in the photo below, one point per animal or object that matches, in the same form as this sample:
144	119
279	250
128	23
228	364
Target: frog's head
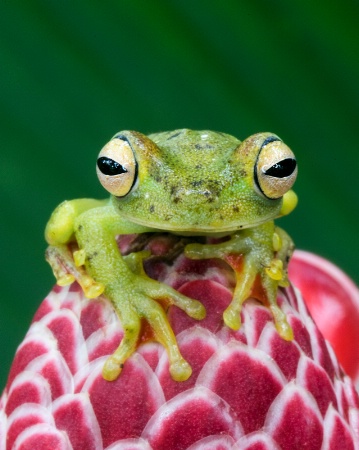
198	181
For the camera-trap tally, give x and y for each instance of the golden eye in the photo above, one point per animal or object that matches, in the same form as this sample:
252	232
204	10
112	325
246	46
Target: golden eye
116	167
276	168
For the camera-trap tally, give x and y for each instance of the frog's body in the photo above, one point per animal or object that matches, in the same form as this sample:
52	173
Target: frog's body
186	182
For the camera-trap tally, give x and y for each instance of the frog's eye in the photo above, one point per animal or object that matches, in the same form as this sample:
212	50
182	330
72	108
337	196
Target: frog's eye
276	168
116	167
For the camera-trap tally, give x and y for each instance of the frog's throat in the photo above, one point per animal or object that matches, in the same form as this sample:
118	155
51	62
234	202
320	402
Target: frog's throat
197	230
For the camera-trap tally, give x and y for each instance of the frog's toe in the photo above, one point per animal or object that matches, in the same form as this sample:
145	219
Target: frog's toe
285	331
190	306
196	310
156	317
275	269
270	282
135	261
282	326
114	364
59	258
203	251
90	287
111	369
232	317
65	279
140	308
68	267
180	370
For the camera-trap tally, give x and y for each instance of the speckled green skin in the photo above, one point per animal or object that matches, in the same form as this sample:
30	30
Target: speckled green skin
196	181
189	182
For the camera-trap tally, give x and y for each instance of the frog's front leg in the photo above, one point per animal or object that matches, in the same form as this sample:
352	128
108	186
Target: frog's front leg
66	262
256	254
133	294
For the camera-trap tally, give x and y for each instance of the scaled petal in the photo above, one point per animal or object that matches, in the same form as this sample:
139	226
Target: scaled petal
294	420
245	378
337	433
73	413
124	406
180	422
42	437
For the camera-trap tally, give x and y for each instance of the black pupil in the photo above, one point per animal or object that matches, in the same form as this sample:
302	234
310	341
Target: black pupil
110	167
282	168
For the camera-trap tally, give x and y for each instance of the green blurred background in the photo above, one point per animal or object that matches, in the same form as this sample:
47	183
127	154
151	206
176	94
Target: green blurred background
74	73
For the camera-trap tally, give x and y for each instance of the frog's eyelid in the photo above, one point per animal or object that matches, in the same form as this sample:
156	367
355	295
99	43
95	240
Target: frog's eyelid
268	140
124	138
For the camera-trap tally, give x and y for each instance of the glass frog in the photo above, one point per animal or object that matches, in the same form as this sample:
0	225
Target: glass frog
191	183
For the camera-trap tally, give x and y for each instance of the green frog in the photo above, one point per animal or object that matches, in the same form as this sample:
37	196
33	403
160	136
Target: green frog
191	183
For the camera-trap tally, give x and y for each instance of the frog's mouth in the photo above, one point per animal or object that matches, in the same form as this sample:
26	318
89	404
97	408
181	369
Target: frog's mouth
216	229
207	223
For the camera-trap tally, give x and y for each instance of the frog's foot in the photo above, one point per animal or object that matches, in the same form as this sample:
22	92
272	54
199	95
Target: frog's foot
155	289
141	305
68	267
246	260
232	252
